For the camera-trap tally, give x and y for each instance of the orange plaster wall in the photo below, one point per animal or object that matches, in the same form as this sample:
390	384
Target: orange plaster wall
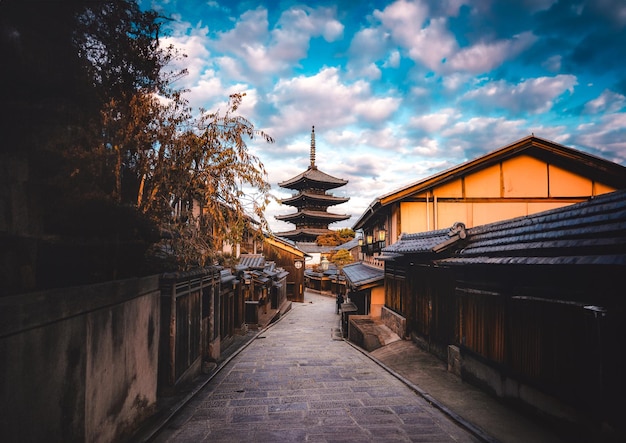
485	183
377	300
535	207
413	216
525	176
518	177
452	189
599	188
564	183
484	213
450	213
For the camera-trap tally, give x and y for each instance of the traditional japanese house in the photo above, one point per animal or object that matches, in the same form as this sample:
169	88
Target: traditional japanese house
292	259
529	308
264	288
311	201
230	308
528	176
364	287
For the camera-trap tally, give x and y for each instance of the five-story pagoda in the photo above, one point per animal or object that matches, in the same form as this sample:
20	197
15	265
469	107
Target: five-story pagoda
311	201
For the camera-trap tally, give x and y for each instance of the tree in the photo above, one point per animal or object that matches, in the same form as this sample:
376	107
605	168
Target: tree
115	154
336	238
341	258
205	177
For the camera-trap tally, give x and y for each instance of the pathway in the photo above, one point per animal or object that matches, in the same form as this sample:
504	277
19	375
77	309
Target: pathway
298	382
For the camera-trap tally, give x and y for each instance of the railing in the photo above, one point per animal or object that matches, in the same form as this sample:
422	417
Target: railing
182	299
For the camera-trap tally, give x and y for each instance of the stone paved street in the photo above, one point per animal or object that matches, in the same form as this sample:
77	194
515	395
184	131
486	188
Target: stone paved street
298	382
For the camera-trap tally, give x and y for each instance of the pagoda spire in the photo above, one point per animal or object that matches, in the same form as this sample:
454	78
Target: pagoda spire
313	148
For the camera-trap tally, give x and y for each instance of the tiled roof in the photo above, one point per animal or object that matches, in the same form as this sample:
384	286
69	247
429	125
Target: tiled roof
316	232
312	174
312	215
252	260
426	242
329	199
347	245
359	274
312	248
592	232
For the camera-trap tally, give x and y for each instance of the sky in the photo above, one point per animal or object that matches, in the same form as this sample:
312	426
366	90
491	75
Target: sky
401	90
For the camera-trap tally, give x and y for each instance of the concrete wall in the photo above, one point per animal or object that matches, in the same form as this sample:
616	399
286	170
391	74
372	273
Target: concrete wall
78	364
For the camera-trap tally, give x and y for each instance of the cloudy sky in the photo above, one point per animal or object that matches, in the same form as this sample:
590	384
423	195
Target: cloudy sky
400	90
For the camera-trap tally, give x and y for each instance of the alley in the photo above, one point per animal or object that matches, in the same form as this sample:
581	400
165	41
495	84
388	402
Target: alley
297	382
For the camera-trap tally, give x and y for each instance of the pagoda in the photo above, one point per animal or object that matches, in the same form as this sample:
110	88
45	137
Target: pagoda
311	201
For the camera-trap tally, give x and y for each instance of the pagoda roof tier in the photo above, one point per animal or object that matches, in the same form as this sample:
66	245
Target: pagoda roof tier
301	234
307	214
305	197
313	178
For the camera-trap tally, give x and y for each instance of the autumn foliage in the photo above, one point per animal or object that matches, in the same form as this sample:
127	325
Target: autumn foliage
336	238
122	172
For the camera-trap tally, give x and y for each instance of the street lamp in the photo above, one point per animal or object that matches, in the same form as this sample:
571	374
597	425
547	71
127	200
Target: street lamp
324	264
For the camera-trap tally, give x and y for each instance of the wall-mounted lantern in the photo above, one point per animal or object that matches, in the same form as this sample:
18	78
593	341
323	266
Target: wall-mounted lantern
382	234
362	245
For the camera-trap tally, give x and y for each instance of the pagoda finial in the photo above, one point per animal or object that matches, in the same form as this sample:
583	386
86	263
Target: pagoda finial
313	147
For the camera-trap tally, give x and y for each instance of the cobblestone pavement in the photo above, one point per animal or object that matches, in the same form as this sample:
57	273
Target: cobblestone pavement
298	382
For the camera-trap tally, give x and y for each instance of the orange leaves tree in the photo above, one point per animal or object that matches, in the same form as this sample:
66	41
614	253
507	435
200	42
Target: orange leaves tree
189	173
205	186
122	162
336	238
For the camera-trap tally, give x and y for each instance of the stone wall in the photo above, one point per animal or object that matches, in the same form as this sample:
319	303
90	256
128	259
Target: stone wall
393	321
79	364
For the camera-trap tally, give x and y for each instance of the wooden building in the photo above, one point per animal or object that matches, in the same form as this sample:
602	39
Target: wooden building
529	308
311	200
528	176
364	287
264	287
292	259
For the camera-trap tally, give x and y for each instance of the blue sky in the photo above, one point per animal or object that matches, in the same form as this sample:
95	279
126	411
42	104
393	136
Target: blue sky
400	90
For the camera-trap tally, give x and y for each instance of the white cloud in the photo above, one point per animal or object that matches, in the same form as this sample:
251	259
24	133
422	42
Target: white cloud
323	99
534	95
404	22
261	50
427	39
457	80
194	47
553	64
478	135
607	136
485	56
608	101
432	123
393	61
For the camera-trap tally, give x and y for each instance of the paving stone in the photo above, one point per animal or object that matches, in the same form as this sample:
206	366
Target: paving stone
299	384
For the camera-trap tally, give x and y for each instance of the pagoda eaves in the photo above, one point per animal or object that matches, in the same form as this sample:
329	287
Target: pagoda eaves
319	199
313	178
304	234
311	201
313	216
